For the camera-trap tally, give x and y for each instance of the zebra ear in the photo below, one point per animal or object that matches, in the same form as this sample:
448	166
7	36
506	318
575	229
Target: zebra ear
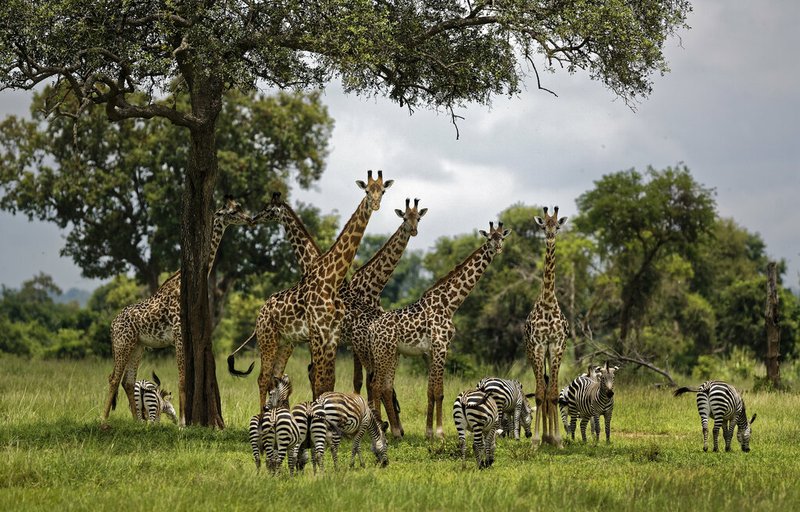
156	379
753	419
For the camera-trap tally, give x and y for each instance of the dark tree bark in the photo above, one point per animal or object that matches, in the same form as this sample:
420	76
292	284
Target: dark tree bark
773	329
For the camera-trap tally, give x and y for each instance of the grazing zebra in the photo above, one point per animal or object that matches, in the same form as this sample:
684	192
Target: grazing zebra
281	390
151	401
312	432
477	412
725	405
513	406
348	414
275	434
588	397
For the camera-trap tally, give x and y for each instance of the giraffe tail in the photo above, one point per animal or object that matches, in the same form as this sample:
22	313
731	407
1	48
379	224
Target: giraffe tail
231	368
685	389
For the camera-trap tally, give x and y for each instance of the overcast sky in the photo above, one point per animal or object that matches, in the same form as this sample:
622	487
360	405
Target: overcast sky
729	110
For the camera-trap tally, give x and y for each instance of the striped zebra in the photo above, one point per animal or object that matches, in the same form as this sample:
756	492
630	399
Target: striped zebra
280	392
723	403
275	434
477	412
151	401
588	397
347	414
312	431
513	406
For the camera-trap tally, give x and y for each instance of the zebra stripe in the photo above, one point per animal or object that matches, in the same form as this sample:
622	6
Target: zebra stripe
477	412
151	401
588	397
280	392
513	406
275	434
347	414
311	432
723	403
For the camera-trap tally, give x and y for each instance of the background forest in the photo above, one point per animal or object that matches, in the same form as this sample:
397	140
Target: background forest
646	268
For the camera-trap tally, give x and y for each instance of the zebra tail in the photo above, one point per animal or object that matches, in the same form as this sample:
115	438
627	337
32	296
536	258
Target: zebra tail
685	389
231	365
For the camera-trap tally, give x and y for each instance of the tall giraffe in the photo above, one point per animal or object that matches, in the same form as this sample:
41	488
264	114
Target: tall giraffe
426	328
312	310
305	247
362	294
546	332
155	322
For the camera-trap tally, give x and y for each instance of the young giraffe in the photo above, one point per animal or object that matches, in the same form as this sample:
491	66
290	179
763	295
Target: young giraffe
362	294
426	328
546	332
312	310
155	322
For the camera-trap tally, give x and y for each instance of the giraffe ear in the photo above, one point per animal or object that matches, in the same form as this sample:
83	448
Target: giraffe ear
562	221
387	184
484	233
399	213
422	212
506	232
361	184
539	221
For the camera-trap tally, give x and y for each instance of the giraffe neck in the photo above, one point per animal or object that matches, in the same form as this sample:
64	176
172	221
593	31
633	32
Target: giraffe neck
453	289
548	293
334	264
369	281
305	247
216	238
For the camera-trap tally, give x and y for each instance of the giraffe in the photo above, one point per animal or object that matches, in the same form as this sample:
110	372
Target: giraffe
155	322
426	328
305	247
311	310
362	294
546	332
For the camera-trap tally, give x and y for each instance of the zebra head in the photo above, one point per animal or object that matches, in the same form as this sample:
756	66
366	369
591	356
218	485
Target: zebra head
279	394
379	446
166	405
744	436
606	377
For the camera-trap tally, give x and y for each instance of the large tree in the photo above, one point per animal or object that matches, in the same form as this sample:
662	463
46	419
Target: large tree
418	53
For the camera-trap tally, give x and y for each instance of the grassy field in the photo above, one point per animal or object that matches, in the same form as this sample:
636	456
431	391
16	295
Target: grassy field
55	457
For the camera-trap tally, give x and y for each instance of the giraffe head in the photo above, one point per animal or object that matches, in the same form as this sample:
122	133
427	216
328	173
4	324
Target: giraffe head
550	223
272	212
495	237
231	213
411	216
375	188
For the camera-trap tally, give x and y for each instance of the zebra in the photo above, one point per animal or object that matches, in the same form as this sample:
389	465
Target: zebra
151	401
312	431
280	392
588	397
347	414
513	406
275	434
477	412
725	405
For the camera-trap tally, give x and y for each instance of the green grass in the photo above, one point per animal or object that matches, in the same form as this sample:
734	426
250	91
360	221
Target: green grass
55	456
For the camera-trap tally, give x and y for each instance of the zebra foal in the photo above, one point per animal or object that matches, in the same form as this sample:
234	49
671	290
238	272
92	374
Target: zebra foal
723	403
513	407
151	401
477	412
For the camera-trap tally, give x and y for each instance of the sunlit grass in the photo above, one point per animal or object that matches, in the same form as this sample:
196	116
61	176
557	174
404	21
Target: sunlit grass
55	456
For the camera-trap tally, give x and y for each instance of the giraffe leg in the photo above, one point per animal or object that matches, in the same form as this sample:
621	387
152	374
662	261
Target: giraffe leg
557	353
122	344
536	359
129	378
323	360
267	337
436	394
384	381
177	338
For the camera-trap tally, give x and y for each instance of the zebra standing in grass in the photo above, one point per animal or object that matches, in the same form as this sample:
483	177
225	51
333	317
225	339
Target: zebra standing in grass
477	412
151	401
312	432
588	397
275	434
513	406
725	405
347	414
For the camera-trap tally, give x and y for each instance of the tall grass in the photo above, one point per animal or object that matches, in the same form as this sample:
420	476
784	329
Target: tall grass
55	457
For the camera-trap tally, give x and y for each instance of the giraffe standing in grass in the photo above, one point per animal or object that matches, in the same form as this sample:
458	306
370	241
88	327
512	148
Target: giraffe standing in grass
155	322
546	332
426	328
311	310
362	294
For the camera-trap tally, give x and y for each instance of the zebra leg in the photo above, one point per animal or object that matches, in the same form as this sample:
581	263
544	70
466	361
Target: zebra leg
727	433
292	456
596	427
357	449
715	433
704	423
336	438
584	421
607	417
477	447
489	445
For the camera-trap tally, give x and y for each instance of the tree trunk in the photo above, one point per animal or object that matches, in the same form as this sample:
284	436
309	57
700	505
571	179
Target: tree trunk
202	392
773	329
